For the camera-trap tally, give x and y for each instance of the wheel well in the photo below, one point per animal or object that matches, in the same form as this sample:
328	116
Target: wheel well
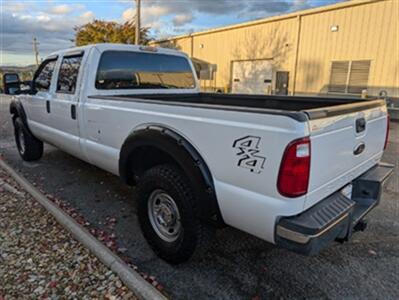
154	145
17	111
14	113
144	158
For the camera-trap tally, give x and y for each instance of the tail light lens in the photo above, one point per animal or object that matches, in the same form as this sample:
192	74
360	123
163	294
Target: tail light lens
387	133
293	178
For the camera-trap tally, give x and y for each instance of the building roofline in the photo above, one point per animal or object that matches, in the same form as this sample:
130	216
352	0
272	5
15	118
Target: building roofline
296	14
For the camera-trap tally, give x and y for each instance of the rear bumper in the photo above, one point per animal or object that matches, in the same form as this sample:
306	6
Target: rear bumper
334	218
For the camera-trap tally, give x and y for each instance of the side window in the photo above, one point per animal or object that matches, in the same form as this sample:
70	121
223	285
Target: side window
68	74
43	77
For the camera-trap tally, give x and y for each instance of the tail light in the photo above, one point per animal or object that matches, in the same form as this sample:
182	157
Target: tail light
387	133
293	178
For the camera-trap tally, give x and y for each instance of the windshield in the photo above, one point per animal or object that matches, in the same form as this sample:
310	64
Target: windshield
135	70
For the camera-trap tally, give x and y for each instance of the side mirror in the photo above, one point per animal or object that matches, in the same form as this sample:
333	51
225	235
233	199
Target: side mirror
11	83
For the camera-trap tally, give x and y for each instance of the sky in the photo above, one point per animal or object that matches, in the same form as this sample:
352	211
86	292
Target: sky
52	21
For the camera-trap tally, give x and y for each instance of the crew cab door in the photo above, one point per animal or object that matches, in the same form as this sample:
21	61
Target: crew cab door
36	105
64	105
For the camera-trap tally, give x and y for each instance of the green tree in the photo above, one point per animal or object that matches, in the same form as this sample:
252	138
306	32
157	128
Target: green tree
99	31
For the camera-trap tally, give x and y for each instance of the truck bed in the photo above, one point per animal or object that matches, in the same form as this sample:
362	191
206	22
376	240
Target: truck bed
297	107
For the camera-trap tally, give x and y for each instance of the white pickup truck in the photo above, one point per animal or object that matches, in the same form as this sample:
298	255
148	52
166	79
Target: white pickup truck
299	172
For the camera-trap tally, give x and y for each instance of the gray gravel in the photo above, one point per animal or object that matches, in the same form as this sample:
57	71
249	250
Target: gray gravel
40	259
238	266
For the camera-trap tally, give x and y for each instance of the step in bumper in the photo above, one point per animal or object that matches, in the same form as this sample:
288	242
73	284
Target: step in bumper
334	218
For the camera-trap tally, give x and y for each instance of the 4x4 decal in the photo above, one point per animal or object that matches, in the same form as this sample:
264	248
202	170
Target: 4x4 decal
248	158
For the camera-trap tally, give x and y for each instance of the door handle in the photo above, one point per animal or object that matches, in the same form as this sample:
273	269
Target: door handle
73	111
360	125
48	106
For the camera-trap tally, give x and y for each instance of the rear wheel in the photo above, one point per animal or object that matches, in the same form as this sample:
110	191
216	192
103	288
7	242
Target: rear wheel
168	215
29	147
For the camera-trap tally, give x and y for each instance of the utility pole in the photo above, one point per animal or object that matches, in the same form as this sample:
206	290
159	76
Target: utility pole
137	37
35	50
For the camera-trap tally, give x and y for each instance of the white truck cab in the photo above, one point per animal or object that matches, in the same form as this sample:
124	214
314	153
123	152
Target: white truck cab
299	172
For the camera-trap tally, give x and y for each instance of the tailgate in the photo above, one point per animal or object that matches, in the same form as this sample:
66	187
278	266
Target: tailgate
344	144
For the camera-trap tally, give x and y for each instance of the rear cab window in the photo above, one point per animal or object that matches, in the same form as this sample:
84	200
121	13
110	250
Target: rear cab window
135	70
44	74
68	74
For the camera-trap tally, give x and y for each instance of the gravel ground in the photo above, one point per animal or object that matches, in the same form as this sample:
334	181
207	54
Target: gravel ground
40	259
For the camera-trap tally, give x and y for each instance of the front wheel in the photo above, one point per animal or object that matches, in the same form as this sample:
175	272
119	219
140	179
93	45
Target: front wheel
29	147
168	216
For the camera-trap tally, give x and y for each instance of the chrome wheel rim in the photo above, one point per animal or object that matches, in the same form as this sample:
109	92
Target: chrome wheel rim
164	215
21	141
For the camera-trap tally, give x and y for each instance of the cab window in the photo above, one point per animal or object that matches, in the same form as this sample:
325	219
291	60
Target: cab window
43	77
134	70
68	74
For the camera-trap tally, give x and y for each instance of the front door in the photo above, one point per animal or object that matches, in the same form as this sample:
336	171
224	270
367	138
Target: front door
64	107
282	83
37	106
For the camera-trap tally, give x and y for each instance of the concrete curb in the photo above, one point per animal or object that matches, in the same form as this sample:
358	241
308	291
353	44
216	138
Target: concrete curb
10	189
133	280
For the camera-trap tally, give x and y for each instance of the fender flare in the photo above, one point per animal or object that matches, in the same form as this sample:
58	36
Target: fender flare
183	153
17	110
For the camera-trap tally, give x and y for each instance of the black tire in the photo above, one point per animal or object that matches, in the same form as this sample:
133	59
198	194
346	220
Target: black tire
193	237
29	147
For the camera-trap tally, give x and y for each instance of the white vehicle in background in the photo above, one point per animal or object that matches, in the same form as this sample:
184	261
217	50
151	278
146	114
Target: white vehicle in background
299	172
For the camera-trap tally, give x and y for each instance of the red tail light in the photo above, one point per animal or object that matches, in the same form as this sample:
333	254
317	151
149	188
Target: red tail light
293	178
387	133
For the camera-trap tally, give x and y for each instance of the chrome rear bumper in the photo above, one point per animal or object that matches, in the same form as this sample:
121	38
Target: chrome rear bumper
334	218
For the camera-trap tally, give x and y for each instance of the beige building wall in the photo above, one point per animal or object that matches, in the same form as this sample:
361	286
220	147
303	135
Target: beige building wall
365	32
303	44
274	41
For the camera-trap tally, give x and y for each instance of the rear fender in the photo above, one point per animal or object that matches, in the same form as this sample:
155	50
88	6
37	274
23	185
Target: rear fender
179	151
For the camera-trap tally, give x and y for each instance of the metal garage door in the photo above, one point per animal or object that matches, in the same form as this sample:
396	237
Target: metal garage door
252	77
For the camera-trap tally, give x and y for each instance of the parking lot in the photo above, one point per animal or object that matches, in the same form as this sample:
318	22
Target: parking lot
238	266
